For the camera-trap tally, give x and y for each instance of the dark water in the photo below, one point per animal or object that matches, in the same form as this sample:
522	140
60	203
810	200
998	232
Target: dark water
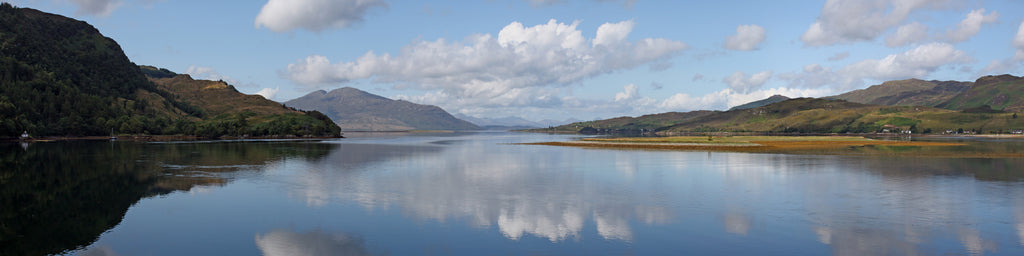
478	194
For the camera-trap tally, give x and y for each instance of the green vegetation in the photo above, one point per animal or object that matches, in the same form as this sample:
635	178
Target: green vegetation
807	115
1004	92
910	92
61	77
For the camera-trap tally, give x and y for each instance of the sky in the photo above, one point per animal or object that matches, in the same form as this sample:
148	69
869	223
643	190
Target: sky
561	59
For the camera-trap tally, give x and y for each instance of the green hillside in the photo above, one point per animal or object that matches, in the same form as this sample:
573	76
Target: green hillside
910	92
223	110
61	77
1004	92
809	115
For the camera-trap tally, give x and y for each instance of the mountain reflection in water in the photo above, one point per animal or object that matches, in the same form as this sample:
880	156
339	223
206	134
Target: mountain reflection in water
480	194
61	196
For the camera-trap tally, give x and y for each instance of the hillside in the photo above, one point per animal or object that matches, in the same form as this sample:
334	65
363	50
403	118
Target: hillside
910	92
223	110
770	100
60	76
356	110
1004	92
629	125
810	115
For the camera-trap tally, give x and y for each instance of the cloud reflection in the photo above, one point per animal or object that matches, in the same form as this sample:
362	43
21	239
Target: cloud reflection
857	206
289	243
485	184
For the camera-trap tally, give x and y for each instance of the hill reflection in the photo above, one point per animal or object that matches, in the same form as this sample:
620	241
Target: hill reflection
56	197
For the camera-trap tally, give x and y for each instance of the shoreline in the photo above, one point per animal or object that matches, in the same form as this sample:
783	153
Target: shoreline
810	145
164	138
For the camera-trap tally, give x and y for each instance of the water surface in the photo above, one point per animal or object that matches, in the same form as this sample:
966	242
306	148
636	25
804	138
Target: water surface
481	194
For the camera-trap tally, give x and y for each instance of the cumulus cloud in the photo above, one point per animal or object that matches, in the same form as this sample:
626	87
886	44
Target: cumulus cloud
907	34
914	63
741	82
917	62
629	93
747	38
728	98
96	7
522	66
314	15
971	25
268	93
844	21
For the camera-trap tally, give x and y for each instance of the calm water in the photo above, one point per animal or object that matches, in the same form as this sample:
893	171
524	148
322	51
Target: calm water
478	194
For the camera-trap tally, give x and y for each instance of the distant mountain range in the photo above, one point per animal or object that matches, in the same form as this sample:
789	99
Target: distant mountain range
356	110
990	104
512	122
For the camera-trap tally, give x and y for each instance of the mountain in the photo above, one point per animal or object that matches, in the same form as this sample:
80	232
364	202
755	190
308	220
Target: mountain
773	99
504	122
625	124
61	77
223	110
1004	92
353	109
910	92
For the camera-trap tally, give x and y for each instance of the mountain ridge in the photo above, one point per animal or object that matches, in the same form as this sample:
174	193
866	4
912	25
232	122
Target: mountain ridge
356	110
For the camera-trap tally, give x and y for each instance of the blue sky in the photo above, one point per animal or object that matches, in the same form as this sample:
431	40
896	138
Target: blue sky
584	59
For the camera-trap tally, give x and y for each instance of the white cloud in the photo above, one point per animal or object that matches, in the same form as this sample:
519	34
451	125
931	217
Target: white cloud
971	25
727	98
914	63
747	38
740	82
521	67
314	15
268	93
907	34
629	93
208	73
844	21
96	7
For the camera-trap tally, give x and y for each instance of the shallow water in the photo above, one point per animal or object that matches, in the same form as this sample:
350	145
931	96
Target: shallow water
481	194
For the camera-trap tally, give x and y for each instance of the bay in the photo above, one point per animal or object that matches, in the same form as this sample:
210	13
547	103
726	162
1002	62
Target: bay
485	194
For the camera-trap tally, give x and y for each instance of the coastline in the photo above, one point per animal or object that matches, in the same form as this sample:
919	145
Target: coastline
164	138
808	145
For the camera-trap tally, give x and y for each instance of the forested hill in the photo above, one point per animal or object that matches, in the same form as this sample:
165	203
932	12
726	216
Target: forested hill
61	77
